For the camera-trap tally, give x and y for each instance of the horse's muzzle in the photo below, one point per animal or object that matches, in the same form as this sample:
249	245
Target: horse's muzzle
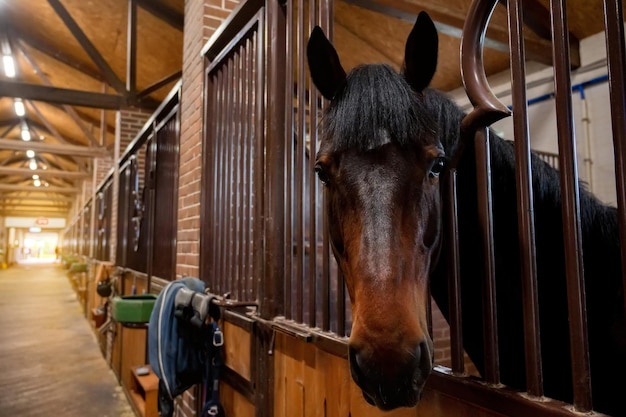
391	383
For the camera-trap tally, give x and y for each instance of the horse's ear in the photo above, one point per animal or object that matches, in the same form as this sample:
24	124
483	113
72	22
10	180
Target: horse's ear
420	54
326	70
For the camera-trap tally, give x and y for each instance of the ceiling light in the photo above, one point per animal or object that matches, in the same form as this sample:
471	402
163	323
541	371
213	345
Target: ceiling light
30	153
25	134
9	66
18	104
37	183
35	176
33	164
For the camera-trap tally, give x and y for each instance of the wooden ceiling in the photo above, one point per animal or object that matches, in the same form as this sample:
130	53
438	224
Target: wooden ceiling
73	71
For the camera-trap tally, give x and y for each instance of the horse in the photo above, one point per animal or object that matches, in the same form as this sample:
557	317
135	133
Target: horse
386	143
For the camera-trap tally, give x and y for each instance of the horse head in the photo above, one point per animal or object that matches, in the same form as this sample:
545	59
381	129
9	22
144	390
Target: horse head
380	159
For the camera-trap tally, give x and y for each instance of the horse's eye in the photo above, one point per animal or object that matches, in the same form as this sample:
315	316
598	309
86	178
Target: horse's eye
321	174
438	166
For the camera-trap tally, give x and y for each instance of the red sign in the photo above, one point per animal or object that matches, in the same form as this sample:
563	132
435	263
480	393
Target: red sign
41	221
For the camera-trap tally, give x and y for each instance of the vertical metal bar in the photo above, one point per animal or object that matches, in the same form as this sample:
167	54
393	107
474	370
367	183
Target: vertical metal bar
247	121
614	18
454	273
485	216
571	209
274	197
313	184
252	99
131	49
525	205
221	198
300	163
259	144
289	144
326	23
214	207
239	124
229	140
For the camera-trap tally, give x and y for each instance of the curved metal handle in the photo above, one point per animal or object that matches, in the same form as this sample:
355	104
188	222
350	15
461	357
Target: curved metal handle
487	108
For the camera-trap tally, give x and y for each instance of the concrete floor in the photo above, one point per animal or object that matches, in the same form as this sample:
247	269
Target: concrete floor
50	362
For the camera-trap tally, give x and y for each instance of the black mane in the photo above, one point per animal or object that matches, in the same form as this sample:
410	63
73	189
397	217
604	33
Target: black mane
377	99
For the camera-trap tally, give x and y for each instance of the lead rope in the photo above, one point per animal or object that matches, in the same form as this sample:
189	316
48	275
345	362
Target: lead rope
213	407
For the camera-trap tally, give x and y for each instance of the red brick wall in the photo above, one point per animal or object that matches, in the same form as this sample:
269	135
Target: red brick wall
202	18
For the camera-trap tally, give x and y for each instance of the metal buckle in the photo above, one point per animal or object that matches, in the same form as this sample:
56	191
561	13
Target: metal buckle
218	337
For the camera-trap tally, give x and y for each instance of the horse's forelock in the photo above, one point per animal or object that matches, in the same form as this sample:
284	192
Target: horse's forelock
375	107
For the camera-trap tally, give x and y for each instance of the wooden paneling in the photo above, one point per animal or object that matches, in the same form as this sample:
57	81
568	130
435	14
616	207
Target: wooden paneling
133	352
311	382
237	342
234	403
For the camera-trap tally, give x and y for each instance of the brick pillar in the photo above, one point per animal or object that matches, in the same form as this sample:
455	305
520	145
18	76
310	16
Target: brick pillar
202	18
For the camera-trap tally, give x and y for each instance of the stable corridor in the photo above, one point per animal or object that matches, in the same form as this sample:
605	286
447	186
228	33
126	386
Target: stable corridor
50	362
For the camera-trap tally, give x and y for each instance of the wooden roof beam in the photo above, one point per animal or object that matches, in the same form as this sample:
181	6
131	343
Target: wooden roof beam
57	149
163	12
68	109
57	54
450	21
47	197
30	187
159	84
89	47
58	95
56	173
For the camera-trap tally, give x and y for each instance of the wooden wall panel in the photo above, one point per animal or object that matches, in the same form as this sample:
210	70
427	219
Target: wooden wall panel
237	342
234	403
310	382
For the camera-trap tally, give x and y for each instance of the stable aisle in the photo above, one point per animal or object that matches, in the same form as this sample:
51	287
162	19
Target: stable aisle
50	362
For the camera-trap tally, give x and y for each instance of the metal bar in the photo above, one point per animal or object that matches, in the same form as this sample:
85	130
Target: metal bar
571	210
485	218
131	49
299	172
231	123
615	45
57	149
272	195
525	204
91	50
454	273
61	95
289	157
313	186
246	115
237	171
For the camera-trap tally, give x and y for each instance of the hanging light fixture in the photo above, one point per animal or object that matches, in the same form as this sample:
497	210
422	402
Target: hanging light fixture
25	134
9	66
33	164
37	183
30	153
35	176
18	104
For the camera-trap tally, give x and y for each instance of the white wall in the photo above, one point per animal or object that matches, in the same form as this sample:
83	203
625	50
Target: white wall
594	142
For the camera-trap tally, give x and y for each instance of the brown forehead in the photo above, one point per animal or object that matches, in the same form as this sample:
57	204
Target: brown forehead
325	155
